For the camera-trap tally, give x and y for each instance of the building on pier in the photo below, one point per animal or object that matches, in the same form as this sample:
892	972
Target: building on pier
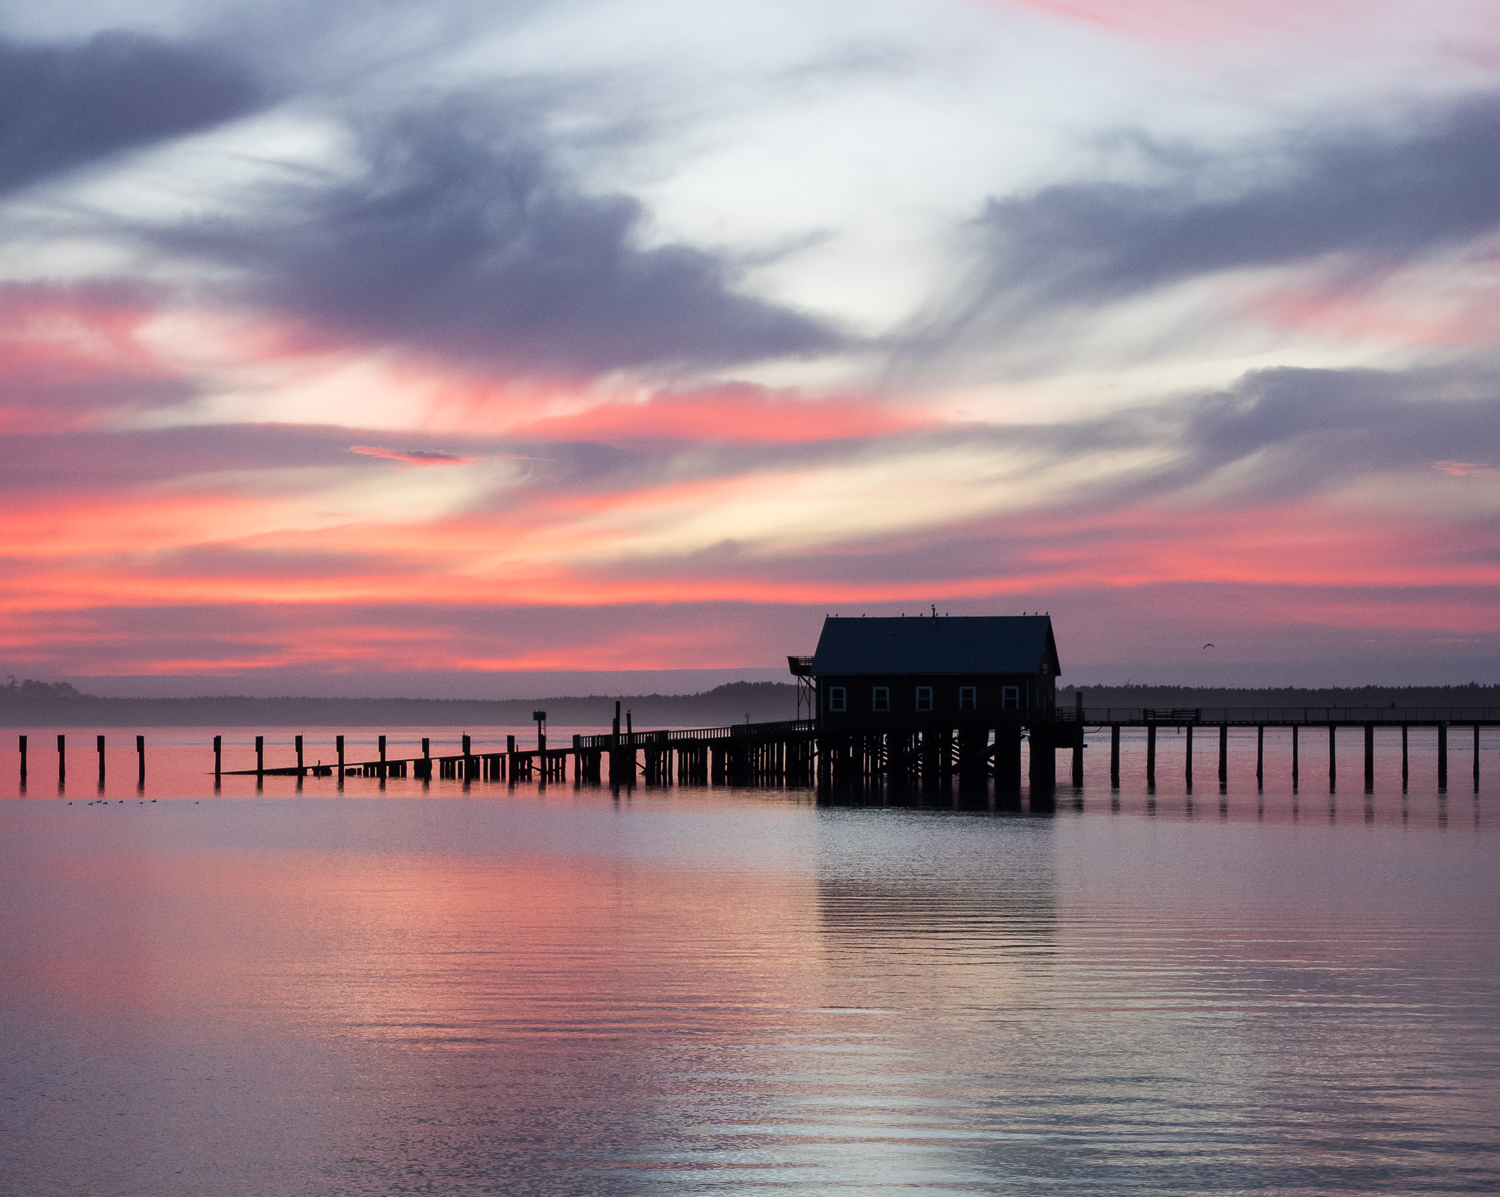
876	675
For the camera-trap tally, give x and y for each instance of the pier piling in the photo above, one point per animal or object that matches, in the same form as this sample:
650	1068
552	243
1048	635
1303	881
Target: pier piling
62	759
1404	764
1294	758
140	761
1151	755
338	744
260	759
1260	756
1369	758
99	745
1188	762
23	760
1223	757
1114	755
218	759
1442	756
300	765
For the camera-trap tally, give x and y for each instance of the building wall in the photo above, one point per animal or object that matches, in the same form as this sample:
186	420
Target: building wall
1033	692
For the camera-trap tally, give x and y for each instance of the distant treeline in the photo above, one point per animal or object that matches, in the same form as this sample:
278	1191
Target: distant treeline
1471	694
57	704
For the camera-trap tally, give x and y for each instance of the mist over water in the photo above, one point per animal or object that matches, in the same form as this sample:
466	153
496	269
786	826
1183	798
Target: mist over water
480	988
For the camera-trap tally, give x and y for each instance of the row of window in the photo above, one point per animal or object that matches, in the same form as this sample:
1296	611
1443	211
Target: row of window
880	698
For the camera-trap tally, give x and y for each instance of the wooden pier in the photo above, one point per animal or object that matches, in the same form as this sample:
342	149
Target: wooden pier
801	753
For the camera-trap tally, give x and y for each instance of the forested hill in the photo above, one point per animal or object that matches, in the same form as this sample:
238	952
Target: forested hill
43	704
1470	695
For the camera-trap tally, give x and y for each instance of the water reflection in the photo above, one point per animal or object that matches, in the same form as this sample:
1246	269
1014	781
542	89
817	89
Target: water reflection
696	990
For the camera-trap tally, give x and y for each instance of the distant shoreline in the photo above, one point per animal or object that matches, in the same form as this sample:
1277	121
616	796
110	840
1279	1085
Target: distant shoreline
37	704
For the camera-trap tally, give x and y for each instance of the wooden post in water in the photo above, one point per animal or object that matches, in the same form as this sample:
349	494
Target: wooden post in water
510	757
1151	755
382	757
1442	756
1188	756
260	759
140	761
1223	755
99	744
218	758
1078	740
1294	757
1114	755
338	744
1369	758
23	760
300	770
62	759
1404	773
1476	758
1260	756
1333	767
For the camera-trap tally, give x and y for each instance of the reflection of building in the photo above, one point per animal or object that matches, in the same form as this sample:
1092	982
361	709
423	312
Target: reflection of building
964	671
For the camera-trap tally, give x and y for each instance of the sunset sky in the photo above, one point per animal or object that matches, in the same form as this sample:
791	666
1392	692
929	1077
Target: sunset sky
379	347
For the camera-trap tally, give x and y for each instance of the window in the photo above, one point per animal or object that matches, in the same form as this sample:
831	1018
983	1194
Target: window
924	698
836	698
880	698
1010	698
966	698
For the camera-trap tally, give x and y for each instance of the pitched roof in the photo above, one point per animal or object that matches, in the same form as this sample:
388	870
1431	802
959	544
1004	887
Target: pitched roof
978	644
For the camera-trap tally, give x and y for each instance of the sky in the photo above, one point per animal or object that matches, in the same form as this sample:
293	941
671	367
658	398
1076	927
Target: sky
450	347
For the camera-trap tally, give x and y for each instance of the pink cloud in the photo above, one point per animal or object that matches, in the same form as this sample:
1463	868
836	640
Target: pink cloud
416	457
1465	469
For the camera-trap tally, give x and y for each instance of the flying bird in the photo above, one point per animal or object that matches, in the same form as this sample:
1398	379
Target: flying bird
1208	646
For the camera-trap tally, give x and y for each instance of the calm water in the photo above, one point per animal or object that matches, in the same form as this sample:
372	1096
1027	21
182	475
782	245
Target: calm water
416	989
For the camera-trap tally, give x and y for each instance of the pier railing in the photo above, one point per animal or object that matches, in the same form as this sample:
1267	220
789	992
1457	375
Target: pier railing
1287	716
691	735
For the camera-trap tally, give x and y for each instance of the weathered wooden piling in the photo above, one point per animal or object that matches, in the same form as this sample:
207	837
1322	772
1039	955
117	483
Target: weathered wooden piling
1223	756
140	761
1442	737
1476	758
62	759
260	759
1114	755
1333	764
23	760
1404	770
1260	756
1295	730
338	744
218	759
300	765
1188	756
1151	754
1369	758
99	746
